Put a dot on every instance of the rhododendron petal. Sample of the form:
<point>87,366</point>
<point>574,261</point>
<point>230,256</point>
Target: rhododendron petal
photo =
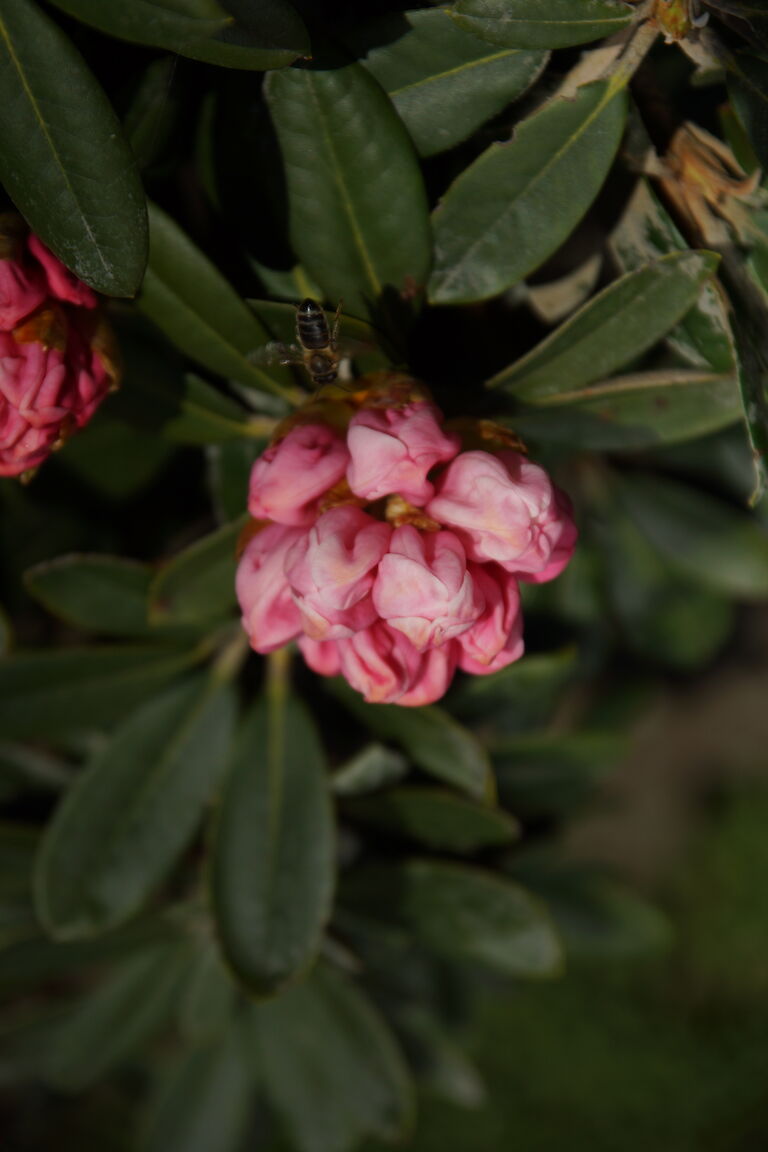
<point>322,657</point>
<point>503,508</point>
<point>501,617</point>
<point>380,663</point>
<point>270,616</point>
<point>331,571</point>
<point>423,587</point>
<point>393,449</point>
<point>287,481</point>
<point>62,283</point>
<point>22,289</point>
<point>434,678</point>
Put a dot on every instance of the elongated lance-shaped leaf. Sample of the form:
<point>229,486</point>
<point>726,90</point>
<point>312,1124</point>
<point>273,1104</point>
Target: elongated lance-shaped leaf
<point>200,312</point>
<point>99,593</point>
<point>357,205</point>
<point>254,34</point>
<point>272,867</point>
<point>330,1066</point>
<point>432,739</point>
<point>436,818</point>
<point>443,81</point>
<point>519,201</point>
<point>69,691</point>
<point>621,322</point>
<point>63,157</point>
<point>133,810</point>
<point>198,585</point>
<point>646,232</point>
<point>541,23</point>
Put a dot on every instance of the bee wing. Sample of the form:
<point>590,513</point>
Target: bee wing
<point>276,353</point>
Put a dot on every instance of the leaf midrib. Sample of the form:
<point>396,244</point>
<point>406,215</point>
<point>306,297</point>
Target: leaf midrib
<point>6,36</point>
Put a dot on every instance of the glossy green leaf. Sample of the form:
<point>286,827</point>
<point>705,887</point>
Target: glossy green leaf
<point>130,814</point>
<point>199,311</point>
<point>331,1068</point>
<point>198,585</point>
<point>520,696</point>
<point>436,818</point>
<point>614,328</point>
<point>253,34</point>
<point>519,201</point>
<point>638,410</point>
<point>646,232</point>
<point>272,865</point>
<point>718,545</point>
<point>63,157</point>
<point>357,206</point>
<point>204,1105</point>
<point>462,913</point>
<point>99,593</point>
<point>155,112</point>
<point>372,767</point>
<point>49,695</point>
<point>209,995</point>
<point>541,23</point>
<point>443,81</point>
<point>431,738</point>
<point>111,1022</point>
<point>748,89</point>
<point>598,918</point>
<point>544,774</point>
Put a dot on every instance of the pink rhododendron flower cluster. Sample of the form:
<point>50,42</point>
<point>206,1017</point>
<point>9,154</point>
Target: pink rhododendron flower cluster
<point>391,552</point>
<point>55,368</point>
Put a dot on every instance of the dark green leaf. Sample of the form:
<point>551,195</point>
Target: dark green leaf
<point>199,311</point>
<point>545,774</point>
<point>520,200</point>
<point>430,737</point>
<point>254,34</point>
<point>132,1004</point>
<point>614,328</point>
<point>198,585</point>
<point>436,818</point>
<point>463,913</point>
<point>597,917</point>
<point>372,767</point>
<point>155,113</point>
<point>49,695</point>
<point>272,866</point>
<point>228,472</point>
<point>99,593</point>
<point>646,232</point>
<point>541,23</point>
<point>209,996</point>
<point>748,89</point>
<point>639,410</point>
<point>205,1103</point>
<point>113,457</point>
<point>666,617</point>
<point>331,1068</point>
<point>24,769</point>
<point>443,81</point>
<point>520,696</point>
<point>130,814</point>
<point>714,543</point>
<point>357,205</point>
<point>63,157</point>
<point>207,416</point>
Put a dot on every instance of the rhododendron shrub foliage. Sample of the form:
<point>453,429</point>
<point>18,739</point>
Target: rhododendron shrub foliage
<point>388,550</point>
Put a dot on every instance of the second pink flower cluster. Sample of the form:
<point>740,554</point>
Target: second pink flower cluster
<point>392,555</point>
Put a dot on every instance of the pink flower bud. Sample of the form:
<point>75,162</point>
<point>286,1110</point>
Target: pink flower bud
<point>331,570</point>
<point>434,677</point>
<point>503,508</point>
<point>497,637</point>
<point>380,663</point>
<point>270,616</point>
<point>393,449</point>
<point>423,587</point>
<point>22,289</point>
<point>321,655</point>
<point>291,476</point>
<point>62,283</point>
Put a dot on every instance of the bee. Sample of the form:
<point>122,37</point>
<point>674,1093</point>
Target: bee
<point>317,347</point>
